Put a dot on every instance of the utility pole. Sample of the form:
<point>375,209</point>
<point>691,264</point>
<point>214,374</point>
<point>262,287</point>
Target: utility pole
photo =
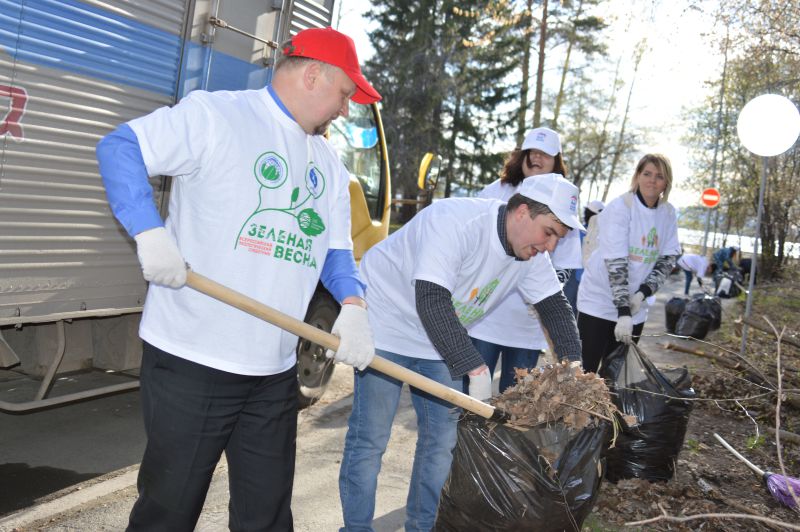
<point>716,142</point>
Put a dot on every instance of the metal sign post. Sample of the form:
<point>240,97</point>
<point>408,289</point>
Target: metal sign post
<point>753,265</point>
<point>768,125</point>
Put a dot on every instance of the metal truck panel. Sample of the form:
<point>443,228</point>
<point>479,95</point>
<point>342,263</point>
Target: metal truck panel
<point>71,72</point>
<point>221,59</point>
<point>308,14</point>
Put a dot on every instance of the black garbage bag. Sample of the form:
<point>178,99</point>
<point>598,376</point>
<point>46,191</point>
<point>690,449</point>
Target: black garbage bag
<point>679,378</point>
<point>673,309</point>
<point>713,308</point>
<point>694,325</point>
<point>648,450</point>
<point>746,269</point>
<point>501,480</point>
<point>702,314</point>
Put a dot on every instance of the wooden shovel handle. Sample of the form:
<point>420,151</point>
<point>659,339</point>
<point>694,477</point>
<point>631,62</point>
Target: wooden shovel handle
<point>318,336</point>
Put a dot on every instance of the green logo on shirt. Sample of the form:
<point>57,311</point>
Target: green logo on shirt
<point>471,310</point>
<point>652,238</point>
<point>258,233</point>
<point>649,251</point>
<point>271,170</point>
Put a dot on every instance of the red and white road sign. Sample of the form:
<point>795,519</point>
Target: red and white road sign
<point>710,197</point>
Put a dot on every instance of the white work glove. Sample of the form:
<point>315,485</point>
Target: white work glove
<point>160,258</point>
<point>356,347</point>
<point>480,384</point>
<point>636,302</point>
<point>624,329</point>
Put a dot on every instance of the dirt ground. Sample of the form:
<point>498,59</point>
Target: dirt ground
<point>734,401</point>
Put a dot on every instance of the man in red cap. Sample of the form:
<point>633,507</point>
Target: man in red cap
<point>259,202</point>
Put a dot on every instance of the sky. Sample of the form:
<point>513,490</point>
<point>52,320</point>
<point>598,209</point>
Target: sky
<point>671,77</point>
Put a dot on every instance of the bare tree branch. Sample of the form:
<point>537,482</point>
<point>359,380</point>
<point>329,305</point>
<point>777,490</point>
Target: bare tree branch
<point>686,519</point>
<point>778,412</point>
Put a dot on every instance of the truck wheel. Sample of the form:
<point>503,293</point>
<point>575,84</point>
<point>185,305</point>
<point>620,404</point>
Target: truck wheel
<point>314,370</point>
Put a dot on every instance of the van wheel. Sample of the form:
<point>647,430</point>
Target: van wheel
<point>314,370</point>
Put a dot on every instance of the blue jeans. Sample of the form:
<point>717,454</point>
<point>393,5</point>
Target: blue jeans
<point>571,291</point>
<point>375,400</point>
<point>513,357</point>
<point>689,274</point>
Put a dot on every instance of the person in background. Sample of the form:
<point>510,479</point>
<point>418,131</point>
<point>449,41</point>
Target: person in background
<point>636,250</point>
<point>746,267</point>
<point>592,209</point>
<point>511,329</point>
<point>213,378</point>
<point>445,269</point>
<point>693,266</point>
<point>726,258</point>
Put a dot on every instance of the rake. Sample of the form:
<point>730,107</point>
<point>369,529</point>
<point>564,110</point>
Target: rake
<point>785,490</point>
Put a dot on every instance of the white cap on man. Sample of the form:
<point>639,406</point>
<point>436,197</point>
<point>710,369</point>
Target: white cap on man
<point>596,206</point>
<point>543,139</point>
<point>560,196</point>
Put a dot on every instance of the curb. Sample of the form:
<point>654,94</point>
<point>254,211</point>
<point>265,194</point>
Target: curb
<point>78,495</point>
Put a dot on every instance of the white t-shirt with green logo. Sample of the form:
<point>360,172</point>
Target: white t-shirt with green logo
<point>255,205</point>
<point>650,234</point>
<point>452,243</point>
<point>510,323</point>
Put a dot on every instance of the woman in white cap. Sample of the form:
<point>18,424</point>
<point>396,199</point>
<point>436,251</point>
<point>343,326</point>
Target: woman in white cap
<point>636,249</point>
<point>512,329</point>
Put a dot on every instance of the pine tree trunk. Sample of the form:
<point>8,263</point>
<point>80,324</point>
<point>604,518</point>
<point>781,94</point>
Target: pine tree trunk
<point>523,91</point>
<point>537,105</point>
<point>565,69</point>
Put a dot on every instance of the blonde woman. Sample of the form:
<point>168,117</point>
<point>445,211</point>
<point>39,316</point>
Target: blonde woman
<point>637,248</point>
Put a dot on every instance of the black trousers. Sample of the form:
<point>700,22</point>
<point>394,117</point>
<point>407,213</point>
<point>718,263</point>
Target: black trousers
<point>597,339</point>
<point>192,413</point>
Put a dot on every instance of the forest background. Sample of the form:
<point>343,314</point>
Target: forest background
<point>617,79</point>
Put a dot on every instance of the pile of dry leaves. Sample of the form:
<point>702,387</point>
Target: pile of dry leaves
<point>558,392</point>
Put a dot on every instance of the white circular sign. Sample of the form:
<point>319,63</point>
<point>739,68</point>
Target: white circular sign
<point>768,125</point>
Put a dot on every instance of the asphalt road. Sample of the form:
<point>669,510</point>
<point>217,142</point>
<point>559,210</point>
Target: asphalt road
<point>44,452</point>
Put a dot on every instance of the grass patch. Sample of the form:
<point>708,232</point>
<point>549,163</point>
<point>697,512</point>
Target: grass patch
<point>692,444</point>
<point>593,524</point>
<point>786,301</point>
<point>754,442</point>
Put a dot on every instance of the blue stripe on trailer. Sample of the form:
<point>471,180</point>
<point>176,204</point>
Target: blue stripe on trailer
<point>208,69</point>
<point>75,37</point>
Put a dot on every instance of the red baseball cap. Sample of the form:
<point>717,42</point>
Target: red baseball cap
<point>337,49</point>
